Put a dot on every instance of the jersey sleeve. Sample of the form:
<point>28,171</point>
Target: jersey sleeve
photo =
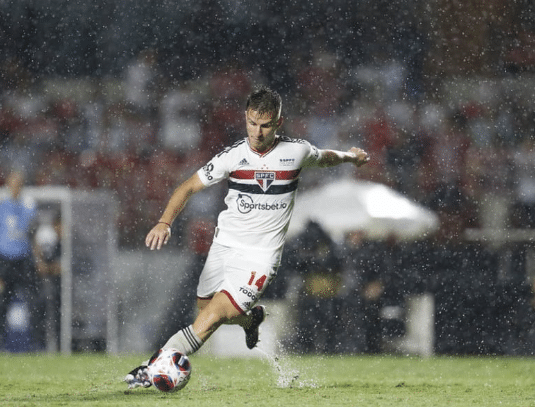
<point>311,155</point>
<point>214,171</point>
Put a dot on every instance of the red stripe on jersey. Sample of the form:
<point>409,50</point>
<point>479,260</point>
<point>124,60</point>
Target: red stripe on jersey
<point>279,175</point>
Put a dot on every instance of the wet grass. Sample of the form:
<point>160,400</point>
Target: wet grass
<point>95,380</point>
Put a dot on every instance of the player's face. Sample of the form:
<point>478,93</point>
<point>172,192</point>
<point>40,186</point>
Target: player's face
<point>261,129</point>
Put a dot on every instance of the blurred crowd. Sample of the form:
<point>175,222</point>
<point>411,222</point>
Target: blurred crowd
<point>134,97</point>
<point>141,134</point>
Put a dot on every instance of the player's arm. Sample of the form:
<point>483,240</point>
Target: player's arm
<point>331,158</point>
<point>160,233</point>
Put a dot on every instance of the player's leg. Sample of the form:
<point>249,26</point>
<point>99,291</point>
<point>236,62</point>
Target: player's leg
<point>217,311</point>
<point>250,322</point>
<point>185,340</point>
<point>241,319</point>
<point>212,314</point>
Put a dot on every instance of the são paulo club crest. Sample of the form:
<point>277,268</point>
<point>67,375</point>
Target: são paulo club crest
<point>264,179</point>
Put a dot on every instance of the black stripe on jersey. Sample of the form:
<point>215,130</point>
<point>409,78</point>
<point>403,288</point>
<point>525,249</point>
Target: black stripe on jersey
<point>256,189</point>
<point>227,149</point>
<point>287,139</point>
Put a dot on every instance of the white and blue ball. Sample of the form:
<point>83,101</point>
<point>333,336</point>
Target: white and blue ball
<point>170,370</point>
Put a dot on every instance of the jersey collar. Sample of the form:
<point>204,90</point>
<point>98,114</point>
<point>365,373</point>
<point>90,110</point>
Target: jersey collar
<point>277,139</point>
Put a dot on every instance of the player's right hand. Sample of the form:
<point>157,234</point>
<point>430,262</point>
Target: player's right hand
<point>158,236</point>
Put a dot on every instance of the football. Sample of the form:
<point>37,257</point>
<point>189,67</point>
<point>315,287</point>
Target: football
<point>169,371</point>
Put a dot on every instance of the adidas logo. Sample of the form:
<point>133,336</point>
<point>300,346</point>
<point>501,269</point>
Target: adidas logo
<point>244,162</point>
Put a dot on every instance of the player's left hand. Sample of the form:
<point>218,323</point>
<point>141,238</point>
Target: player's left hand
<point>361,156</point>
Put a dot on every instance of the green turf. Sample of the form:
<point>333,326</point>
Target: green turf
<point>95,380</point>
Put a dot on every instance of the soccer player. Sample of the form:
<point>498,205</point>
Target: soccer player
<point>262,171</point>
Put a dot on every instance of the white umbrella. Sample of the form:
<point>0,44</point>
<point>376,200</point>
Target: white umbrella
<point>349,205</point>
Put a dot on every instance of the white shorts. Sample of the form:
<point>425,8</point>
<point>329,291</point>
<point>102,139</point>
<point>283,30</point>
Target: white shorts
<point>241,276</point>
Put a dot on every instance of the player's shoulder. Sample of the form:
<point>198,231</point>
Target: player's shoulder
<point>295,144</point>
<point>231,148</point>
<point>292,140</point>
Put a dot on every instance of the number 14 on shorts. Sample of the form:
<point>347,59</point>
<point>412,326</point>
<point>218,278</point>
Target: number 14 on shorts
<point>259,283</point>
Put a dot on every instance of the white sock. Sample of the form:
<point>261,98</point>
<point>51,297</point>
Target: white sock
<point>185,341</point>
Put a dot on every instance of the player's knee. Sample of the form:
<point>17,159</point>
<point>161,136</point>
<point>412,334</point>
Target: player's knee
<point>225,313</point>
<point>213,315</point>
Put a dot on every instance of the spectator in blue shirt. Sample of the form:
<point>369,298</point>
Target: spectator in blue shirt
<point>17,271</point>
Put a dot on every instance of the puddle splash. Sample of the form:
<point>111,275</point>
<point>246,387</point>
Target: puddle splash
<point>288,376</point>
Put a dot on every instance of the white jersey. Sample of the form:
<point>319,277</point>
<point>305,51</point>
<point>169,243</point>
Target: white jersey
<point>262,190</point>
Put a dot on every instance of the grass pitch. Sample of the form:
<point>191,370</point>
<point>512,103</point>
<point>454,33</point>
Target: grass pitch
<point>95,380</point>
